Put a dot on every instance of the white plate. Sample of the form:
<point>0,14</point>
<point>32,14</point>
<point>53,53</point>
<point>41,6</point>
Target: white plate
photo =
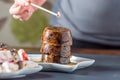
<point>76,63</point>
<point>20,73</point>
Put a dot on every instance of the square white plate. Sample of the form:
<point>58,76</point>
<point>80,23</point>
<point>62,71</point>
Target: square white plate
<point>76,63</point>
<point>20,73</point>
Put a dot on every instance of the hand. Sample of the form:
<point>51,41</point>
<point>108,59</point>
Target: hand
<point>23,10</point>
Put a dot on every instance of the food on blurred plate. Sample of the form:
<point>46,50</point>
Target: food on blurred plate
<point>12,60</point>
<point>27,64</point>
<point>9,66</point>
<point>56,45</point>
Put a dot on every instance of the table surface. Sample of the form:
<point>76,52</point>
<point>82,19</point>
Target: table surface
<point>106,67</point>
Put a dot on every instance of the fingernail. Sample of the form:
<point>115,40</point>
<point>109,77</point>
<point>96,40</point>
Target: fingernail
<point>16,16</point>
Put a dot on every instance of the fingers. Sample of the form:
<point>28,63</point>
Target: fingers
<point>23,10</point>
<point>38,2</point>
<point>25,15</point>
<point>15,8</point>
<point>23,2</point>
<point>20,12</point>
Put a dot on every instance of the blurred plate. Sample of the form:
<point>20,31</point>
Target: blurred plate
<point>20,73</point>
<point>76,63</point>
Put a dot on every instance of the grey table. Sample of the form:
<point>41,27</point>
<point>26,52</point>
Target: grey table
<point>106,67</point>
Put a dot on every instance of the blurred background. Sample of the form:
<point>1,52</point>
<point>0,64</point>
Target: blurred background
<point>22,34</point>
